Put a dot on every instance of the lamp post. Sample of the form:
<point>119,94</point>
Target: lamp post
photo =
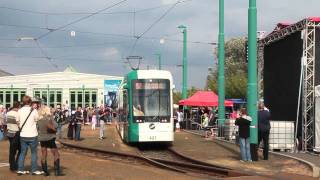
<point>221,86</point>
<point>159,60</point>
<point>184,62</point>
<point>252,73</point>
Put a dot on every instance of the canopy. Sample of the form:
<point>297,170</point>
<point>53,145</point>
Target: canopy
<point>203,98</point>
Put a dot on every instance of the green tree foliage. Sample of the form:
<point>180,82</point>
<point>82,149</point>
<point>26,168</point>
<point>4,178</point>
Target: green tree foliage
<point>192,91</point>
<point>177,96</point>
<point>235,70</point>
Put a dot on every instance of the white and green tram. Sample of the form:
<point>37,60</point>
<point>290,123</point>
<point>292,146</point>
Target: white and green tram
<point>145,107</point>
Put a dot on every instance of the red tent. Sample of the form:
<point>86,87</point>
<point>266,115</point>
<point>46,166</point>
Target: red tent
<point>203,98</point>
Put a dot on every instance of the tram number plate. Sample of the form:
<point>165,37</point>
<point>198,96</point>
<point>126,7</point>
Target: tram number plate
<point>152,138</point>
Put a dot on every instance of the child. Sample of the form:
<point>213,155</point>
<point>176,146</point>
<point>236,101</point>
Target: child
<point>94,121</point>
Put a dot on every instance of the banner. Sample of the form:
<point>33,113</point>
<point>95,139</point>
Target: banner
<point>110,92</point>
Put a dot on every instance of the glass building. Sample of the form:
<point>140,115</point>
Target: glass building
<point>68,88</point>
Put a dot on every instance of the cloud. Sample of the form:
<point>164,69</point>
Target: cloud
<point>165,2</point>
<point>111,52</point>
<point>200,16</point>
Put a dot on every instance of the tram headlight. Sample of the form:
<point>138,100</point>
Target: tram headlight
<point>164,120</point>
<point>138,121</point>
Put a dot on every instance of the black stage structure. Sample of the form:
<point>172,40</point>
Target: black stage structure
<point>282,56</point>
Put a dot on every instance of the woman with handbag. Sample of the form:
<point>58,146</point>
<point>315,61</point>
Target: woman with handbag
<point>13,136</point>
<point>47,136</point>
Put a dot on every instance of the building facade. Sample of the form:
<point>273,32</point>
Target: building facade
<point>68,88</point>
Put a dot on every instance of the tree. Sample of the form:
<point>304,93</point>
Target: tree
<point>177,96</point>
<point>235,70</point>
<point>192,91</point>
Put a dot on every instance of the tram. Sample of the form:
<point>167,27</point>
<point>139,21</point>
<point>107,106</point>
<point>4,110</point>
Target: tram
<point>145,107</point>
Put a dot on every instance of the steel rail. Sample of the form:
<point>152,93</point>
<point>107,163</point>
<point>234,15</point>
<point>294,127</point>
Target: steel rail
<point>192,168</point>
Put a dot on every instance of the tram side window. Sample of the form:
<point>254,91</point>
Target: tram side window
<point>125,106</point>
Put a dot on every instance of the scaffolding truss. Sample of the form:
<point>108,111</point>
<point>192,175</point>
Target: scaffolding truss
<point>308,28</point>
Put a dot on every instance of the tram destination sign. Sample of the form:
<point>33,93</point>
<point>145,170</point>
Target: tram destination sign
<point>150,85</point>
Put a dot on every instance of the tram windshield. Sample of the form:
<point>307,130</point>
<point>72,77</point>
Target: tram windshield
<point>151,98</point>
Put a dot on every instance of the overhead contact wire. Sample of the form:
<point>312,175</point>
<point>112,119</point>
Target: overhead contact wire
<point>80,19</point>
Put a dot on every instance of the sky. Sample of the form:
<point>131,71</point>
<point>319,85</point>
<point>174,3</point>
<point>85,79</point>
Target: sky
<point>106,31</point>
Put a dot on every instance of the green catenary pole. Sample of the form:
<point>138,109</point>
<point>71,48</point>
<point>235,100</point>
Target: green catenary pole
<point>252,70</point>
<point>221,88</point>
<point>184,62</point>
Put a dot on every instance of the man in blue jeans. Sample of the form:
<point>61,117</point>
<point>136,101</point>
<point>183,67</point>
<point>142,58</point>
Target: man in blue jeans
<point>25,143</point>
<point>28,118</point>
<point>244,122</point>
<point>79,120</point>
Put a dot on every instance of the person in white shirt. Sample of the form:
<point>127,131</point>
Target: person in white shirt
<point>13,136</point>
<point>28,118</point>
<point>180,119</point>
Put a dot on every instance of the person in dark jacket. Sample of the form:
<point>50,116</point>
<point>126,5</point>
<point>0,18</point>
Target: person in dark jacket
<point>79,120</point>
<point>264,129</point>
<point>244,122</point>
<point>71,126</point>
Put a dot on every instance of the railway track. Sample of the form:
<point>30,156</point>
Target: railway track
<point>165,158</point>
<point>168,158</point>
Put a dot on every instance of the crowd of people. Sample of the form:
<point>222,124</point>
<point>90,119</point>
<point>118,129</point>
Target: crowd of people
<point>86,116</point>
<point>26,124</point>
<point>207,119</point>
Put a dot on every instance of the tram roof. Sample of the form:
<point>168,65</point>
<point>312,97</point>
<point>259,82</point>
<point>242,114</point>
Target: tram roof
<point>154,74</point>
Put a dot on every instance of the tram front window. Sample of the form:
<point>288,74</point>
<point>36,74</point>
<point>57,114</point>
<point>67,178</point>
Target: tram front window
<point>151,100</point>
